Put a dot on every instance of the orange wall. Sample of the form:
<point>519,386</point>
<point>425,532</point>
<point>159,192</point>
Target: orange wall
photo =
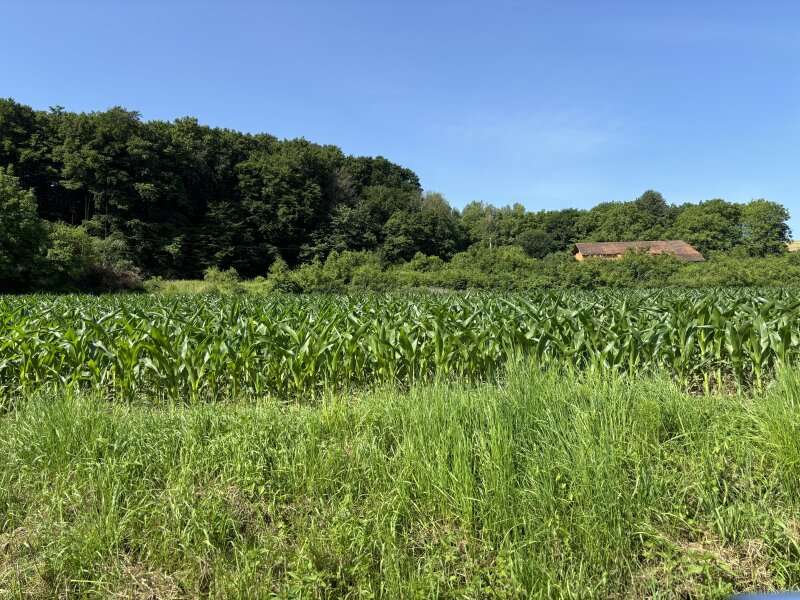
<point>579,256</point>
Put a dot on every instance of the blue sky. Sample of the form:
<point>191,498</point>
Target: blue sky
<point>550,104</point>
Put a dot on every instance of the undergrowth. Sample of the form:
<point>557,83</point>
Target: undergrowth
<point>540,487</point>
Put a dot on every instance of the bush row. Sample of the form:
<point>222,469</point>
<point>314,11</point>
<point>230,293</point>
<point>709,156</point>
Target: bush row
<point>503,268</point>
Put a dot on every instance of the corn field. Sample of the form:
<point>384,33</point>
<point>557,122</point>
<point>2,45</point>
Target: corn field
<point>215,347</point>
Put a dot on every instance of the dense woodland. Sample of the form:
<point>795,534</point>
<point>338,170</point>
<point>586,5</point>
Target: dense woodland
<point>106,200</point>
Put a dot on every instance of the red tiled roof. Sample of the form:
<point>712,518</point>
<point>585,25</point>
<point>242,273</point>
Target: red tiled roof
<point>678,248</point>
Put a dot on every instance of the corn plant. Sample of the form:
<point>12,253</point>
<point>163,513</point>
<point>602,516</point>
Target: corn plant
<point>211,347</point>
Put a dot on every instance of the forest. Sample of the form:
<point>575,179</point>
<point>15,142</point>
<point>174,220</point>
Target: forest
<point>106,200</point>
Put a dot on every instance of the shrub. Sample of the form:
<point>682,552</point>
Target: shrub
<point>77,260</point>
<point>70,257</point>
<point>219,277</point>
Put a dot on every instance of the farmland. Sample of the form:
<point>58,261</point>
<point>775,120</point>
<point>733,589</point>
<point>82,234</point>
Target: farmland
<point>213,347</point>
<point>616,444</point>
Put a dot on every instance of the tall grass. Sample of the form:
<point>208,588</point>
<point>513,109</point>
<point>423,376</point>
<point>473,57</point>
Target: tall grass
<point>596,487</point>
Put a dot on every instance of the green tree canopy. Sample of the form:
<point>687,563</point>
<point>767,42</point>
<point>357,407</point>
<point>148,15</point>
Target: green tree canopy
<point>764,228</point>
<point>536,243</point>
<point>432,228</point>
<point>646,218</point>
<point>23,238</point>
<point>709,226</point>
<point>174,198</point>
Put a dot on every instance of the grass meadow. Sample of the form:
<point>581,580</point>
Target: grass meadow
<point>539,485</point>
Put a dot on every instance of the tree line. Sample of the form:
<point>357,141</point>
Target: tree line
<point>103,199</point>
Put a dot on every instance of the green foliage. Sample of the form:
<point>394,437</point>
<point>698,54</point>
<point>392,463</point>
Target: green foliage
<point>219,281</point>
<point>216,276</point>
<point>510,268</point>
<point>776,271</point>
<point>22,233</point>
<point>77,260</point>
<point>182,287</point>
<point>548,486</point>
<point>425,264</point>
<point>758,228</point>
<point>635,269</point>
<point>205,347</point>
<point>287,192</point>
<point>339,271</point>
<point>764,228</point>
<point>711,226</point>
<point>536,243</point>
<point>171,199</point>
<point>359,223</point>
<point>432,228</point>
<point>646,218</point>
<point>71,255</point>
<point>115,269</point>
<point>184,197</point>
<point>278,268</point>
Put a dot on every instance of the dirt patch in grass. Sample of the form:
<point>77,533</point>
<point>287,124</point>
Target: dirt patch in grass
<point>20,573</point>
<point>701,568</point>
<point>139,582</point>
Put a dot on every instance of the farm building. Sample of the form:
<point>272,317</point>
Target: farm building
<point>614,250</point>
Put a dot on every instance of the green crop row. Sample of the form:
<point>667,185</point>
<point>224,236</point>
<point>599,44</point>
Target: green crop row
<point>210,347</point>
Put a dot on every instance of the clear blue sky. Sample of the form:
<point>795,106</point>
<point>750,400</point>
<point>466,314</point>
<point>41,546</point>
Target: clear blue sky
<point>551,104</point>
